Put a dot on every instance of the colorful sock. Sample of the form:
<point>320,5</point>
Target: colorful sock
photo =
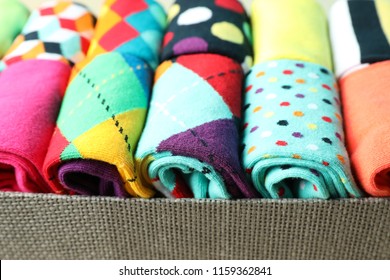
<point>134,27</point>
<point>110,94</point>
<point>285,29</point>
<point>190,137</point>
<point>360,32</point>
<point>203,26</point>
<point>13,16</point>
<point>30,95</point>
<point>293,132</point>
<point>365,95</point>
<point>58,30</point>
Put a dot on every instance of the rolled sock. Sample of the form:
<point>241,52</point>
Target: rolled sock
<point>31,90</point>
<point>90,178</point>
<point>30,96</point>
<point>58,30</point>
<point>13,16</point>
<point>293,140</point>
<point>296,30</point>
<point>360,33</point>
<point>189,147</point>
<point>203,26</point>
<point>366,101</point>
<point>105,105</point>
<point>293,132</point>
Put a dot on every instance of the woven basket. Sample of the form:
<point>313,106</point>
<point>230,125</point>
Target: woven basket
<point>61,227</point>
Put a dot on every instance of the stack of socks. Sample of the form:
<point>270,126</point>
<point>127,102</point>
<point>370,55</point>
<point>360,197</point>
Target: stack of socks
<point>190,145</point>
<point>360,33</point>
<point>32,87</point>
<point>105,106</point>
<point>293,140</point>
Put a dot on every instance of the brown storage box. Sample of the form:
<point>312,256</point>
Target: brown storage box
<point>61,227</point>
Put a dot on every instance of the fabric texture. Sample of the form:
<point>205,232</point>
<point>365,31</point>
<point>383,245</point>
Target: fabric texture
<point>30,96</point>
<point>365,95</point>
<point>203,26</point>
<point>360,32</point>
<point>31,92</point>
<point>191,138</point>
<point>110,94</point>
<point>293,140</point>
<point>13,16</point>
<point>58,30</point>
<point>296,30</point>
<point>111,228</point>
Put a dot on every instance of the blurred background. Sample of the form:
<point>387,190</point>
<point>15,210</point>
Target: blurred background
<point>94,5</point>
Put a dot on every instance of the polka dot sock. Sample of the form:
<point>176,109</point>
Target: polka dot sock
<point>204,26</point>
<point>293,141</point>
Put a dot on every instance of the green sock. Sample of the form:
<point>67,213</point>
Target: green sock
<point>13,16</point>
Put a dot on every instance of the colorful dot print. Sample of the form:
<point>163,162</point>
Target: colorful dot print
<point>204,26</point>
<point>295,147</point>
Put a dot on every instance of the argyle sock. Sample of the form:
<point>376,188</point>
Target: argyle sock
<point>360,32</point>
<point>105,105</point>
<point>293,140</point>
<point>285,29</point>
<point>189,147</point>
<point>13,16</point>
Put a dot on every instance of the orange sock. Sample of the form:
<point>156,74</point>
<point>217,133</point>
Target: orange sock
<point>366,102</point>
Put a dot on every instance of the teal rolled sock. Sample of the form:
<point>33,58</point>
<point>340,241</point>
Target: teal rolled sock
<point>293,140</point>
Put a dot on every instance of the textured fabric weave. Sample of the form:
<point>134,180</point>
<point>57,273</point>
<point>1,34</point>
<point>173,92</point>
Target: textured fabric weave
<point>13,16</point>
<point>105,106</point>
<point>293,140</point>
<point>203,26</point>
<point>63,227</point>
<point>58,30</point>
<point>191,137</point>
<point>285,29</point>
<point>365,95</point>
<point>360,32</point>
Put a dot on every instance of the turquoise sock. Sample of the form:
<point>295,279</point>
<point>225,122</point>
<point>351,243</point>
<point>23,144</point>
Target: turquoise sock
<point>293,135</point>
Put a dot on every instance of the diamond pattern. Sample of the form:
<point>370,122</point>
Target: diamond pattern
<point>59,30</point>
